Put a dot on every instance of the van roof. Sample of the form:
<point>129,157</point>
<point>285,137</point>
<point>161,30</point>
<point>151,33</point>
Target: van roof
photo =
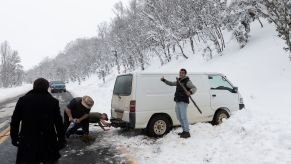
<point>173,73</point>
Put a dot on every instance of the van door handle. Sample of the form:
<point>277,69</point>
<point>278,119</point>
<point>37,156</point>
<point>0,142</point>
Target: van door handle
<point>213,95</point>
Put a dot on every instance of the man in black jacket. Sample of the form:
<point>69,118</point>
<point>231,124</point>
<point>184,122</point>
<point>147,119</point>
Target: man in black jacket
<point>182,99</point>
<point>41,134</point>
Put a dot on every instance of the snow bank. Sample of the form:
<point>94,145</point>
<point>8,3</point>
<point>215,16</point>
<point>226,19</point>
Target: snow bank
<point>258,134</point>
<point>7,93</point>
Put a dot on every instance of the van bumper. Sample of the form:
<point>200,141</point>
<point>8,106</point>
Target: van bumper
<point>116,122</point>
<point>241,106</point>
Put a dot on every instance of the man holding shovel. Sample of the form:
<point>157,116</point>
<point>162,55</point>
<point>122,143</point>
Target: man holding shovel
<point>184,88</point>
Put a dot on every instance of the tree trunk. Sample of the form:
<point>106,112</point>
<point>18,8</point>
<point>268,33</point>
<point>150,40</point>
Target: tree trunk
<point>116,60</point>
<point>221,38</point>
<point>165,53</point>
<point>215,41</point>
<point>157,53</point>
<point>169,54</point>
<point>260,22</point>
<point>141,59</point>
<point>288,43</point>
<point>142,63</point>
<point>181,48</point>
<point>192,45</point>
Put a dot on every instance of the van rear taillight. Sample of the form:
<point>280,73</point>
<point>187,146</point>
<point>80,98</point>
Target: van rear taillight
<point>132,106</point>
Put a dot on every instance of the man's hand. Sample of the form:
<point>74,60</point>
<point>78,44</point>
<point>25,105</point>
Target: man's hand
<point>77,121</point>
<point>15,143</point>
<point>71,119</point>
<point>188,93</point>
<point>162,78</point>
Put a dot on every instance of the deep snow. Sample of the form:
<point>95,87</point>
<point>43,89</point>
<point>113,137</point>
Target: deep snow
<point>259,134</point>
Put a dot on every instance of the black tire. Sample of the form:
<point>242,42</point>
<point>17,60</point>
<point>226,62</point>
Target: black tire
<point>219,116</point>
<point>158,126</point>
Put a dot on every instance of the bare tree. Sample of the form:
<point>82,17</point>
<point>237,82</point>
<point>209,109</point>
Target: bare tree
<point>11,70</point>
<point>279,13</point>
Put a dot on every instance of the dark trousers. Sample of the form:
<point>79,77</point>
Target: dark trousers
<point>83,124</point>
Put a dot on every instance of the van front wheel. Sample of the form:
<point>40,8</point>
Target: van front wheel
<point>219,116</point>
<point>158,126</point>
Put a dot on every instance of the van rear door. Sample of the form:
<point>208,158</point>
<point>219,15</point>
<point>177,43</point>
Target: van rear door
<point>121,97</point>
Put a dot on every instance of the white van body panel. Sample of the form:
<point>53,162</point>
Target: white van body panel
<point>224,98</point>
<point>153,96</point>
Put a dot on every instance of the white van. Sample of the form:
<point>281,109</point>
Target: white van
<point>143,101</point>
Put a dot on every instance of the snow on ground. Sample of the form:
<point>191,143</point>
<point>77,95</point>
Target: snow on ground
<point>258,134</point>
<point>6,93</point>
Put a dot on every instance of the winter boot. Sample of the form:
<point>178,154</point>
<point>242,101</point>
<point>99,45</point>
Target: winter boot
<point>185,135</point>
<point>67,134</point>
<point>181,133</point>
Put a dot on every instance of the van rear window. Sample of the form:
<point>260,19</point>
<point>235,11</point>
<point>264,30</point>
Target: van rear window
<point>122,85</point>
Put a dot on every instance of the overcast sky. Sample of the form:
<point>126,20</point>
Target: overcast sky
<point>40,28</point>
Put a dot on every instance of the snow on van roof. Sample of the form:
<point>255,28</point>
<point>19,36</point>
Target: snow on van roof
<point>172,73</point>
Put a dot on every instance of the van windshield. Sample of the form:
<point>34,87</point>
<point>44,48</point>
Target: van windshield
<point>218,82</point>
<point>122,85</point>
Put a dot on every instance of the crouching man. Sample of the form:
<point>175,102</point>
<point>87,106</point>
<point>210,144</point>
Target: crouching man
<point>77,111</point>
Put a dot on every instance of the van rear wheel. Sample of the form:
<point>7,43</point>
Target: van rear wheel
<point>219,116</point>
<point>158,126</point>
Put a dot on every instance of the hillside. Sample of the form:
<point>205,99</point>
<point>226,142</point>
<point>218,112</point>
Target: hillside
<point>258,134</point>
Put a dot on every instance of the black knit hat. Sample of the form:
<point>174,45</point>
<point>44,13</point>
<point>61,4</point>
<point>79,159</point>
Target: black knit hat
<point>183,69</point>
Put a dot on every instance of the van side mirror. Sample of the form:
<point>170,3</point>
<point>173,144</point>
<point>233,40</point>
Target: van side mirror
<point>235,89</point>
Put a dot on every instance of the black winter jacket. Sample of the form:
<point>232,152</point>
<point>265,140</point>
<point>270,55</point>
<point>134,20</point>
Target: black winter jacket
<point>41,134</point>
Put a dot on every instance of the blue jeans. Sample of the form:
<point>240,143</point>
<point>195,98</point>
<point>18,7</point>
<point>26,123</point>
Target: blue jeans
<point>74,129</point>
<point>83,124</point>
<point>181,112</point>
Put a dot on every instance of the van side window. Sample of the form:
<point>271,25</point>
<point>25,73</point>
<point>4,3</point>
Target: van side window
<point>122,85</point>
<point>218,82</point>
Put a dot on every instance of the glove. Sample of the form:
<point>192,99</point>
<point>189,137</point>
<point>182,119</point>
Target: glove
<point>15,143</point>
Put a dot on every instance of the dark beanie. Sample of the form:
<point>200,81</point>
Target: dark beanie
<point>41,84</point>
<point>183,69</point>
